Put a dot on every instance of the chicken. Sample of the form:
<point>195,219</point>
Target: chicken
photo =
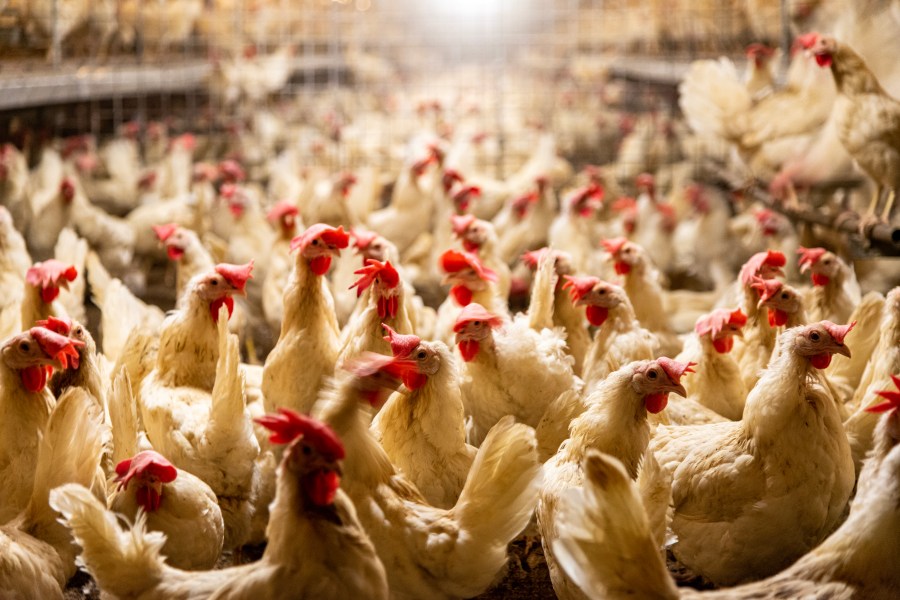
<point>409,212</point>
<point>480,237</point>
<point>423,430</point>
<point>316,549</point>
<point>846,374</point>
<point>717,384</point>
<point>620,338</point>
<point>655,223</point>
<point>14,185</point>
<point>563,312</point>
<point>829,298</point>
<point>701,242</point>
<point>883,361</point>
<point>169,24</point>
<point>308,346</point>
<point>641,283</point>
<point>175,503</point>
<point>429,552</point>
<point>384,305</point>
<point>523,222</point>
<point>867,118</point>
<point>470,282</point>
<point>192,404</point>
<point>510,369</point>
<point>615,421</point>
<point>285,217</point>
<point>38,555</point>
<point>26,361</point>
<point>573,231</point>
<point>760,81</point>
<point>14,263</point>
<point>184,248</point>
<point>767,488</point>
<point>606,547</point>
<point>329,203</point>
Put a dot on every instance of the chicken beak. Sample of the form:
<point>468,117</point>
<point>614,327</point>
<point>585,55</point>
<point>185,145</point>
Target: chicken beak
<point>334,251</point>
<point>677,388</point>
<point>805,267</point>
<point>842,350</point>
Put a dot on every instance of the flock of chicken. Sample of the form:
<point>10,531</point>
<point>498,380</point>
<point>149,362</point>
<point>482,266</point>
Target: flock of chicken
<point>388,448</point>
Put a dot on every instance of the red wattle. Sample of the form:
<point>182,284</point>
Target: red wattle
<point>820,279</point>
<point>622,268</point>
<point>585,211</point>
<point>414,381</point>
<point>49,294</point>
<point>174,252</point>
<point>656,402</point>
<point>821,361</point>
<point>387,307</point>
<point>469,349</point>
<point>461,294</point>
<point>596,315</point>
<point>824,60</point>
<point>777,318</point>
<point>216,304</point>
<point>724,345</point>
<point>147,498</point>
<point>471,246</point>
<point>322,486</point>
<point>320,264</point>
<point>34,378</point>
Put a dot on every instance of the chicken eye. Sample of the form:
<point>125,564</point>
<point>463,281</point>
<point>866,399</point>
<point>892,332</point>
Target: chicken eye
<point>307,450</point>
<point>814,336</point>
<point>784,295</point>
<point>476,323</point>
<point>652,375</point>
<point>421,355</point>
<point>315,242</point>
<point>214,282</point>
<point>79,331</point>
<point>601,291</point>
<point>24,346</point>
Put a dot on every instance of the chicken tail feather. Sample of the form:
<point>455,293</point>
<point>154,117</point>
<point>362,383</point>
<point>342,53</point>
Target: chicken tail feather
<point>605,544</point>
<point>123,562</point>
<point>540,308</point>
<point>500,494</point>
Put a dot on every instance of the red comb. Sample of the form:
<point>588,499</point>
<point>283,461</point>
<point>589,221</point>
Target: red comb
<point>892,397</point>
<point>149,462</point>
<point>614,246</point>
<point>236,275</point>
<point>232,171</point>
<point>534,257</point>
<point>363,238</point>
<point>461,223</point>
<point>838,332</point>
<point>373,269</point>
<point>164,232</point>
<point>476,312</point>
<point>675,369</point>
<point>465,191</point>
<point>765,288</point>
<point>450,177</point>
<point>287,426</point>
<point>808,40</point>
<point>401,345</point>
<point>56,346</point>
<point>47,275</point>
<point>752,267</point>
<point>810,256</point>
<point>60,325</point>
<point>280,210</point>
<point>579,286</point>
<point>328,234</point>
<point>453,261</point>
<point>713,323</point>
<point>522,204</point>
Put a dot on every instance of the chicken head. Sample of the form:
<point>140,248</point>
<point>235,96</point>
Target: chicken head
<point>33,354</point>
<point>370,245</point>
<point>319,244</point>
<point>384,280</point>
<point>217,286</point>
<point>597,296</point>
<point>819,341</point>
<point>626,255</point>
<point>283,215</point>
<point>463,197</point>
<point>425,358</point>
<point>766,265</point>
<point>176,239</point>
<point>473,327</point>
<point>149,470</point>
<point>821,264</point>
<point>820,46</point>
<point>721,325</point>
<point>473,232</point>
<point>653,380</point>
<point>50,276</point>
<point>313,455</point>
<point>466,274</point>
<point>781,299</point>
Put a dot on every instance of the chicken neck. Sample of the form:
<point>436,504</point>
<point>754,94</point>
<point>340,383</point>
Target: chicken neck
<point>306,301</point>
<point>188,347</point>
<point>34,308</point>
<point>615,422</point>
<point>851,74</point>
